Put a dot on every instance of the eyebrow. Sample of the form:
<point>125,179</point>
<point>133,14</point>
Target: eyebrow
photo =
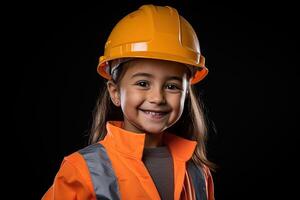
<point>151,76</point>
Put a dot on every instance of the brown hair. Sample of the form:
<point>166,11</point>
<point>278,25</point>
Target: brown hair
<point>191,125</point>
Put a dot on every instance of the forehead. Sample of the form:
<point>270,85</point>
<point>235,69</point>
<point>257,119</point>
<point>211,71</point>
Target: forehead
<point>157,68</point>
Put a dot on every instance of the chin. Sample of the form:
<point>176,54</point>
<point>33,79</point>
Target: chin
<point>154,130</point>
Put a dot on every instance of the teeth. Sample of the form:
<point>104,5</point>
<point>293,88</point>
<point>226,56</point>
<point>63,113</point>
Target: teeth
<point>154,113</point>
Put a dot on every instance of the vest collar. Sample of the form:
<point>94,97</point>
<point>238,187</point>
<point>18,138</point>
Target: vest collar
<point>131,144</point>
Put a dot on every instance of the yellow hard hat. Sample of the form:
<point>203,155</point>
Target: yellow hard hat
<point>156,32</point>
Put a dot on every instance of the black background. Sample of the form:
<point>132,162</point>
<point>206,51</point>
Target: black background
<point>251,53</point>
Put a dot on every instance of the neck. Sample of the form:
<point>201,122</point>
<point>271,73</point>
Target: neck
<point>153,140</point>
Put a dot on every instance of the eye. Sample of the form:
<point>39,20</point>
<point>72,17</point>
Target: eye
<point>142,83</point>
<point>172,87</point>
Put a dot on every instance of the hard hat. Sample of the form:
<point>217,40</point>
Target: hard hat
<point>155,32</point>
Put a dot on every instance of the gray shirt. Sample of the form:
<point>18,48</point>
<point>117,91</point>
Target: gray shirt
<point>159,163</point>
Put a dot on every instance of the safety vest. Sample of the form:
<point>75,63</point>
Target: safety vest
<point>105,181</point>
<point>113,169</point>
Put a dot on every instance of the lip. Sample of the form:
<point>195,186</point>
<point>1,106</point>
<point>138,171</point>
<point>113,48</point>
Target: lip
<point>150,110</point>
<point>158,111</point>
<point>159,114</point>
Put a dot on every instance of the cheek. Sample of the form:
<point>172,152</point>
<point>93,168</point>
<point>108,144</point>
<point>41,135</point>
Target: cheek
<point>130,98</point>
<point>177,102</point>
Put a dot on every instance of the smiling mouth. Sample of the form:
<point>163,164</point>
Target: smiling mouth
<point>155,114</point>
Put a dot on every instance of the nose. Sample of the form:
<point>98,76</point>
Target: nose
<point>156,96</point>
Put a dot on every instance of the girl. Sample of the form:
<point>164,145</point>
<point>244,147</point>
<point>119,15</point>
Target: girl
<point>147,139</point>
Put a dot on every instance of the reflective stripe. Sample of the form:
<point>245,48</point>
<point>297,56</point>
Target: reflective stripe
<point>198,179</point>
<point>100,168</point>
<point>105,181</point>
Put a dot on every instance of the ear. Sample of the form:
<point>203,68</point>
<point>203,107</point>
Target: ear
<point>114,94</point>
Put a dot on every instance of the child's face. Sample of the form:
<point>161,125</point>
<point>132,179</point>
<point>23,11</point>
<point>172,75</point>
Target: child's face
<point>152,95</point>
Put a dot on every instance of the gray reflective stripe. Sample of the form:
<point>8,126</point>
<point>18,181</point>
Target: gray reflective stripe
<point>105,181</point>
<point>100,168</point>
<point>198,180</point>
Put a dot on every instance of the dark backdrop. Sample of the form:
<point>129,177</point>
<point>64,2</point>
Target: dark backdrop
<point>250,51</point>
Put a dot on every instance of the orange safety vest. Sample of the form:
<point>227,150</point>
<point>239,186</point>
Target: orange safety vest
<point>113,169</point>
